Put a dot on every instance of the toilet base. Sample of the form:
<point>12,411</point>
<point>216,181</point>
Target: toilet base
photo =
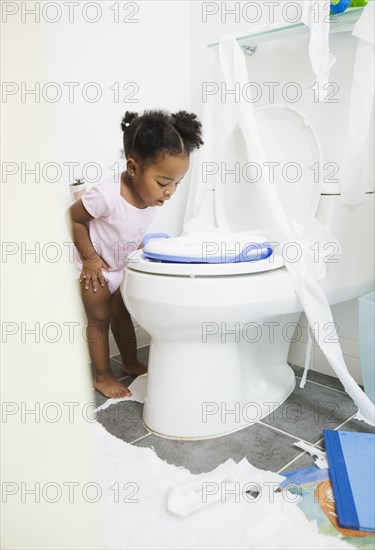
<point>218,387</point>
<point>267,409</point>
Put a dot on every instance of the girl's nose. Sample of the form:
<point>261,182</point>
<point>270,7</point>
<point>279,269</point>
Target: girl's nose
<point>168,193</point>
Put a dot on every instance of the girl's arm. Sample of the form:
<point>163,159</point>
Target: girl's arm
<point>77,217</point>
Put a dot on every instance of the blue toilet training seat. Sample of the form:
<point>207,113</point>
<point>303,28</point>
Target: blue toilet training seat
<point>203,248</point>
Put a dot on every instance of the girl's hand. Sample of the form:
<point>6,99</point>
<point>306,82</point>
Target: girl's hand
<point>92,273</point>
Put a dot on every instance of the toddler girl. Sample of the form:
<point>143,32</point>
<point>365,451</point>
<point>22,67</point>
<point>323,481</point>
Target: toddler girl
<point>109,222</point>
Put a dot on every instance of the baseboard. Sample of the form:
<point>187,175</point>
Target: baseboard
<point>319,363</point>
<point>143,338</point>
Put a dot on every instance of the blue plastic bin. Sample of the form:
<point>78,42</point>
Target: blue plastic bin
<point>366,342</point>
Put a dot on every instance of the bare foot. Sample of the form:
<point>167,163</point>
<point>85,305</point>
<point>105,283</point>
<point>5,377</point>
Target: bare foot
<point>135,369</point>
<point>107,385</point>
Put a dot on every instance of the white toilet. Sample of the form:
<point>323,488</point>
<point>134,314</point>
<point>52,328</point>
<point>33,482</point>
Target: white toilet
<point>220,332</point>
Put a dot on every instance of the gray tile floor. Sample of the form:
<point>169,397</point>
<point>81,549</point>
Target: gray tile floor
<point>268,444</point>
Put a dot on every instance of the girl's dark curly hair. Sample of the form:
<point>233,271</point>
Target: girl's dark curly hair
<point>157,132</point>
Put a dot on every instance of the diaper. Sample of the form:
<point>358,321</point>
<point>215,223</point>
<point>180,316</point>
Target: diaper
<point>112,278</point>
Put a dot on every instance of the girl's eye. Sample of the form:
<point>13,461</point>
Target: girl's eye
<point>165,184</point>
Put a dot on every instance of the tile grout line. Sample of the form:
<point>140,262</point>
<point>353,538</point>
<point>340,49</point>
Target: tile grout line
<point>321,439</point>
<point>139,438</point>
<point>285,433</point>
<point>314,444</point>
<point>322,385</point>
<point>302,453</point>
<point>120,363</point>
<point>279,430</point>
<point>345,421</point>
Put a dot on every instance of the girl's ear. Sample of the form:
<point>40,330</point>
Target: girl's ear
<point>132,166</point>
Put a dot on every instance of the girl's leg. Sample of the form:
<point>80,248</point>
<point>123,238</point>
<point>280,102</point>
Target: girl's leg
<point>98,311</point>
<point>124,334</point>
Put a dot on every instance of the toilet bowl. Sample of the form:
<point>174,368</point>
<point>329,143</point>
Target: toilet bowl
<point>221,332</point>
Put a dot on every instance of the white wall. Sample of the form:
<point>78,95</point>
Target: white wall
<point>42,371</point>
<point>140,63</point>
<point>346,317</point>
<point>211,20</point>
<point>37,290</point>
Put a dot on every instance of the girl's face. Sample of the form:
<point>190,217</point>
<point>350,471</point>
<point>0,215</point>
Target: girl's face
<point>158,182</point>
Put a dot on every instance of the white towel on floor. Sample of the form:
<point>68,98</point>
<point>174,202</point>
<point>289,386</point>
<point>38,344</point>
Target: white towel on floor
<point>229,480</point>
<point>135,484</point>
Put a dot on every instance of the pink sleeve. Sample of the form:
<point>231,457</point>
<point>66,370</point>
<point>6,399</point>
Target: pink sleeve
<point>101,199</point>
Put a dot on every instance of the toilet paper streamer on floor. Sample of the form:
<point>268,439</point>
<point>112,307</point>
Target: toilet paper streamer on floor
<point>308,290</point>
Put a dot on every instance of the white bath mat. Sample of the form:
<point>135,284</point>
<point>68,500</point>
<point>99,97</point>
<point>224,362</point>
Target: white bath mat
<point>136,484</point>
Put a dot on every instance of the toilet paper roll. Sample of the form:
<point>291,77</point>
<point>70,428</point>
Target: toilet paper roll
<point>77,189</point>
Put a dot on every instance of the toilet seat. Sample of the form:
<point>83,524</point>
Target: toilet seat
<point>206,247</point>
<point>300,204</point>
<point>138,262</point>
<point>294,163</point>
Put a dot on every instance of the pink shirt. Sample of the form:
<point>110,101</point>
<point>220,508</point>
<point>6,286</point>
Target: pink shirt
<point>118,227</point>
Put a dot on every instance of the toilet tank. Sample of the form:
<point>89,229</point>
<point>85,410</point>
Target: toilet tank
<point>284,59</point>
<point>351,273</point>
